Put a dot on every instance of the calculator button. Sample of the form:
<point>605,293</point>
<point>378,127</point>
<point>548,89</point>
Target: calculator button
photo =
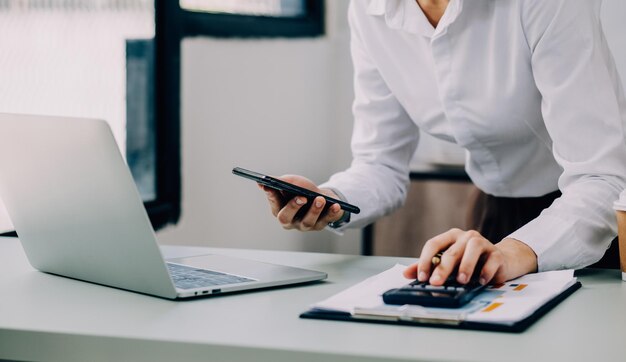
<point>436,287</point>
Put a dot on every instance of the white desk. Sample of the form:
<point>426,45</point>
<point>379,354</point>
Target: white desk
<point>45,317</point>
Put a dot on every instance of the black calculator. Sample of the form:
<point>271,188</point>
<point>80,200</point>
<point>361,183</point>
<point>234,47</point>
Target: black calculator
<point>451,294</point>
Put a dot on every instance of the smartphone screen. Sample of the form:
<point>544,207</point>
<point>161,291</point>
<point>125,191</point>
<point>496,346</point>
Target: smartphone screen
<point>292,190</point>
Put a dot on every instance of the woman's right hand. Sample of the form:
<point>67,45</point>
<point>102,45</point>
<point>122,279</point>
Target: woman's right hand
<point>286,209</point>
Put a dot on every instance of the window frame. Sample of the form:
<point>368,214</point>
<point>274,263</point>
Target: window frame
<point>166,207</point>
<point>172,25</point>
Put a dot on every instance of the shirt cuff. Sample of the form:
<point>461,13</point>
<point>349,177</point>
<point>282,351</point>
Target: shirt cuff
<point>545,235</point>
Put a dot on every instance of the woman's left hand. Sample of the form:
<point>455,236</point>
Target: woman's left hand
<point>464,251</point>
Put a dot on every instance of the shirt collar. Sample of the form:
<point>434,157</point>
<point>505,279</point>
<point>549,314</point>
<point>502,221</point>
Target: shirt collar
<point>406,15</point>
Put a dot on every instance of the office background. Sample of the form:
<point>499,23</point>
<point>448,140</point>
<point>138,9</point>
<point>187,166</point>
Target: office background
<point>279,106</point>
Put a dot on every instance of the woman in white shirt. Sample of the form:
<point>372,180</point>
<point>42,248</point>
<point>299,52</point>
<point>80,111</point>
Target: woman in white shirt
<point>529,89</point>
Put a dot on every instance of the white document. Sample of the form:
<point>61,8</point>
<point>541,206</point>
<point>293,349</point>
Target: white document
<point>503,304</point>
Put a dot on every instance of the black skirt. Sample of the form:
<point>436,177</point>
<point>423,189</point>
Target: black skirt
<point>497,217</point>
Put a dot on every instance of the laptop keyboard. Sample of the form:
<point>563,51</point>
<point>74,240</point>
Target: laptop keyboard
<point>185,277</point>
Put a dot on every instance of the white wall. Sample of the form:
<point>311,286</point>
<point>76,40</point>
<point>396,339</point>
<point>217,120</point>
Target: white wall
<point>276,106</point>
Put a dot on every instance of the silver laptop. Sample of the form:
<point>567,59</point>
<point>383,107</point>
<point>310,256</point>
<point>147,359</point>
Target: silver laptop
<point>78,214</point>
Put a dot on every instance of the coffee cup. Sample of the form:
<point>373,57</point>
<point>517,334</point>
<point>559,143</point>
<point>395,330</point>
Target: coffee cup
<point>620,212</point>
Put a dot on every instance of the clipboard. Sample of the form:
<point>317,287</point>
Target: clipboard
<point>511,306</point>
<point>516,327</point>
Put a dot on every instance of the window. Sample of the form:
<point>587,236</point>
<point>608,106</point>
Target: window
<point>96,59</point>
<point>250,18</point>
<point>277,8</point>
<point>175,20</point>
<point>119,60</point>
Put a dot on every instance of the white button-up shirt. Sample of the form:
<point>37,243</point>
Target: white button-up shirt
<point>528,88</point>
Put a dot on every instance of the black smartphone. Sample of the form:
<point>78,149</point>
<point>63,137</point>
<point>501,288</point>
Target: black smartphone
<point>290,190</point>
<point>449,295</point>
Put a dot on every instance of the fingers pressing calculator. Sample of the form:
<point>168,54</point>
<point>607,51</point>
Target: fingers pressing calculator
<point>451,294</point>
